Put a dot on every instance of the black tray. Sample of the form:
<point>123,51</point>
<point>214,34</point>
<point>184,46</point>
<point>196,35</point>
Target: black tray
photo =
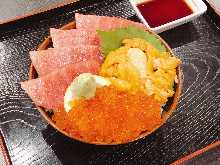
<point>194,125</point>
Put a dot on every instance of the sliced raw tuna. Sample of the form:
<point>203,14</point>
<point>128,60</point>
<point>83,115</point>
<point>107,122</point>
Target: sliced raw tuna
<point>48,91</point>
<point>94,22</point>
<point>69,38</point>
<point>46,61</point>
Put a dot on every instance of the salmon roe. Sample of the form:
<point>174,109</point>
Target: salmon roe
<point>110,116</point>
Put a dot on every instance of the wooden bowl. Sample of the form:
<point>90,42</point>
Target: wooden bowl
<point>167,113</point>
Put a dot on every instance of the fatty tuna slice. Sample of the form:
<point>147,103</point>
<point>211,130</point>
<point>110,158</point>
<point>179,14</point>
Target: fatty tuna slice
<point>69,38</point>
<point>48,91</point>
<point>94,22</point>
<point>46,61</point>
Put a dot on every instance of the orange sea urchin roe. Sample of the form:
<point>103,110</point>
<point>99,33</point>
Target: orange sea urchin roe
<point>110,116</point>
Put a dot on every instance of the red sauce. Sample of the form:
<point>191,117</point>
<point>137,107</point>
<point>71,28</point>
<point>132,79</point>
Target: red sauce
<point>159,12</point>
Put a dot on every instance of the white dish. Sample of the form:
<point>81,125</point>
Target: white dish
<point>198,7</point>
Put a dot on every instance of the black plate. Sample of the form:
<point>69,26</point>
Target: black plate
<point>195,124</point>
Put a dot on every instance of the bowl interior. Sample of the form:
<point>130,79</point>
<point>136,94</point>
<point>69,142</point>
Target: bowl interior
<point>169,108</point>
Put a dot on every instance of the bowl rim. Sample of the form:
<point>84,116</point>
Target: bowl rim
<point>176,97</point>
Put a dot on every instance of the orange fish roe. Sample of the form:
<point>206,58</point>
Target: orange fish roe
<point>110,116</point>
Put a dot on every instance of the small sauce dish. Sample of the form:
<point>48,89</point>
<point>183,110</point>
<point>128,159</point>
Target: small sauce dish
<point>162,15</point>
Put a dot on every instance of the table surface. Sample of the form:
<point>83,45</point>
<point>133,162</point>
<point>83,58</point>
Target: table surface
<point>194,125</point>
<point>15,9</point>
